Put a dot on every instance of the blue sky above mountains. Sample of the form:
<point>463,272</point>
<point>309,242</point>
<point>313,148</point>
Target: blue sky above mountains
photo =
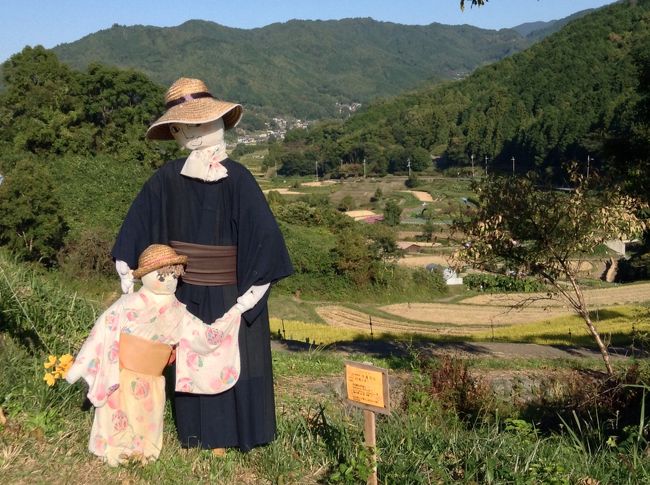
<point>49,23</point>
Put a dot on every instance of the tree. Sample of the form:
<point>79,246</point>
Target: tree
<point>353,258</point>
<point>472,3</point>
<point>546,233</point>
<point>392,213</point>
<point>41,102</point>
<point>30,221</point>
<point>347,203</point>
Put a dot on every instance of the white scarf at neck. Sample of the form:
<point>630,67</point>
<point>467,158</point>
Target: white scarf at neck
<point>206,164</point>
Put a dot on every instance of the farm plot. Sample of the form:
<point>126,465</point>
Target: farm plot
<point>617,295</point>
<point>470,318</point>
<point>338,316</point>
<point>423,261</point>
<point>434,319</point>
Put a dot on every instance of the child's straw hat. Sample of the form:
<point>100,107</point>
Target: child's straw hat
<point>155,257</point>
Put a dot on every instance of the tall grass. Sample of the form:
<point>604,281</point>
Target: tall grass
<point>40,315</point>
<point>320,437</point>
<point>622,325</point>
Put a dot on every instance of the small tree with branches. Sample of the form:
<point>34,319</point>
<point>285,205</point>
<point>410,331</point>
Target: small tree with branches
<point>536,230</point>
<point>472,3</point>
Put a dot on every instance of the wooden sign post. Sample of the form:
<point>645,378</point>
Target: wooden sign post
<point>367,388</point>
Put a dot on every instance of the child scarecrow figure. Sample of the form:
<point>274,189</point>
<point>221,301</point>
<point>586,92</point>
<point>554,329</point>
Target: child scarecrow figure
<point>130,344</point>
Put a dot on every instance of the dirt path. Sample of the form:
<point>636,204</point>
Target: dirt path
<point>420,195</point>
<point>384,348</point>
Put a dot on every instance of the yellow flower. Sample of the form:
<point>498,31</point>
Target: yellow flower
<point>49,378</point>
<point>65,360</point>
<point>51,360</point>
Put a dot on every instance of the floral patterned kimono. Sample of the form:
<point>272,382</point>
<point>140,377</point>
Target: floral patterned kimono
<point>130,403</point>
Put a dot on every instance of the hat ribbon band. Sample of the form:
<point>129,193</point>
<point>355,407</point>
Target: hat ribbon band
<point>161,259</point>
<point>187,97</point>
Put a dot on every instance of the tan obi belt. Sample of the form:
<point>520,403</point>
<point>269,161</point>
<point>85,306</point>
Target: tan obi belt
<point>208,265</point>
<point>144,356</point>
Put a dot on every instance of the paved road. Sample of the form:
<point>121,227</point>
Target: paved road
<point>462,349</point>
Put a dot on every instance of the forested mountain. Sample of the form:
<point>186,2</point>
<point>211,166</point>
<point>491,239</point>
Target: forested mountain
<point>302,68</point>
<point>538,30</point>
<point>567,97</point>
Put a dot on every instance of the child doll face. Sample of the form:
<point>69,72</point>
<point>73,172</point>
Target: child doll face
<point>160,284</point>
<point>198,136</point>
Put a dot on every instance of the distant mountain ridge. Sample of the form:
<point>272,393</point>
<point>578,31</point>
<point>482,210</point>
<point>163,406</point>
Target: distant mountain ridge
<point>536,31</point>
<point>302,68</point>
<point>565,98</point>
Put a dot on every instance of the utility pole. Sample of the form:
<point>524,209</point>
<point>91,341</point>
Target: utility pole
<point>364,168</point>
<point>472,157</point>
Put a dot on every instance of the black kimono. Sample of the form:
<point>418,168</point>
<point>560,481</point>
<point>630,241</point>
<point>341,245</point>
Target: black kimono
<point>229,212</point>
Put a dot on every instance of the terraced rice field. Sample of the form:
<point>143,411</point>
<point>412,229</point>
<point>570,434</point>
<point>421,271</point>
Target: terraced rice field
<point>475,314</point>
<point>618,295</point>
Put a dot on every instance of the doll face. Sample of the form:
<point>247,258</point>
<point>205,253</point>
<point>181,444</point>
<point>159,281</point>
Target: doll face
<point>198,136</point>
<point>160,284</point>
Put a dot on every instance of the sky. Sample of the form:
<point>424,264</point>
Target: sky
<point>52,22</point>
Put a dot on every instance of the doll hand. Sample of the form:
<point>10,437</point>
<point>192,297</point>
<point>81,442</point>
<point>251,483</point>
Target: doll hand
<point>126,276</point>
<point>250,298</point>
<point>235,310</point>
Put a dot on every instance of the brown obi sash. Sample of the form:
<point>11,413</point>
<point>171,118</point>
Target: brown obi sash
<point>144,356</point>
<point>208,265</point>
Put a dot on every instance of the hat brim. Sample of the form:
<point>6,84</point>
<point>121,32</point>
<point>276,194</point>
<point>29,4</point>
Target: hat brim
<point>140,272</point>
<point>195,111</point>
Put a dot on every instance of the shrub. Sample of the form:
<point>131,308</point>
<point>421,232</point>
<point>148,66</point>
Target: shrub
<point>346,204</point>
<point>88,254</point>
<point>412,181</point>
<point>30,221</point>
<point>392,213</point>
<point>456,388</point>
<point>432,280</point>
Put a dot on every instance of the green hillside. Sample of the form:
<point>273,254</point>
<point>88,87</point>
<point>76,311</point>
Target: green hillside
<point>302,68</point>
<point>566,97</point>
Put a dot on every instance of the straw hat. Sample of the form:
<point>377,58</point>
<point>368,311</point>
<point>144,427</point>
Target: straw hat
<point>189,101</point>
<point>155,257</point>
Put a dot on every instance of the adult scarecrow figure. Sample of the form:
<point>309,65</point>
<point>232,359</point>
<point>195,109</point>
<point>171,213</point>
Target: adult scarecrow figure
<point>209,208</point>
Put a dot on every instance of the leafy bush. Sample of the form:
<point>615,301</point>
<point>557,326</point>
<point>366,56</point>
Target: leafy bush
<point>88,254</point>
<point>392,213</point>
<point>346,204</point>
<point>412,182</point>
<point>30,221</point>
<point>431,280</point>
